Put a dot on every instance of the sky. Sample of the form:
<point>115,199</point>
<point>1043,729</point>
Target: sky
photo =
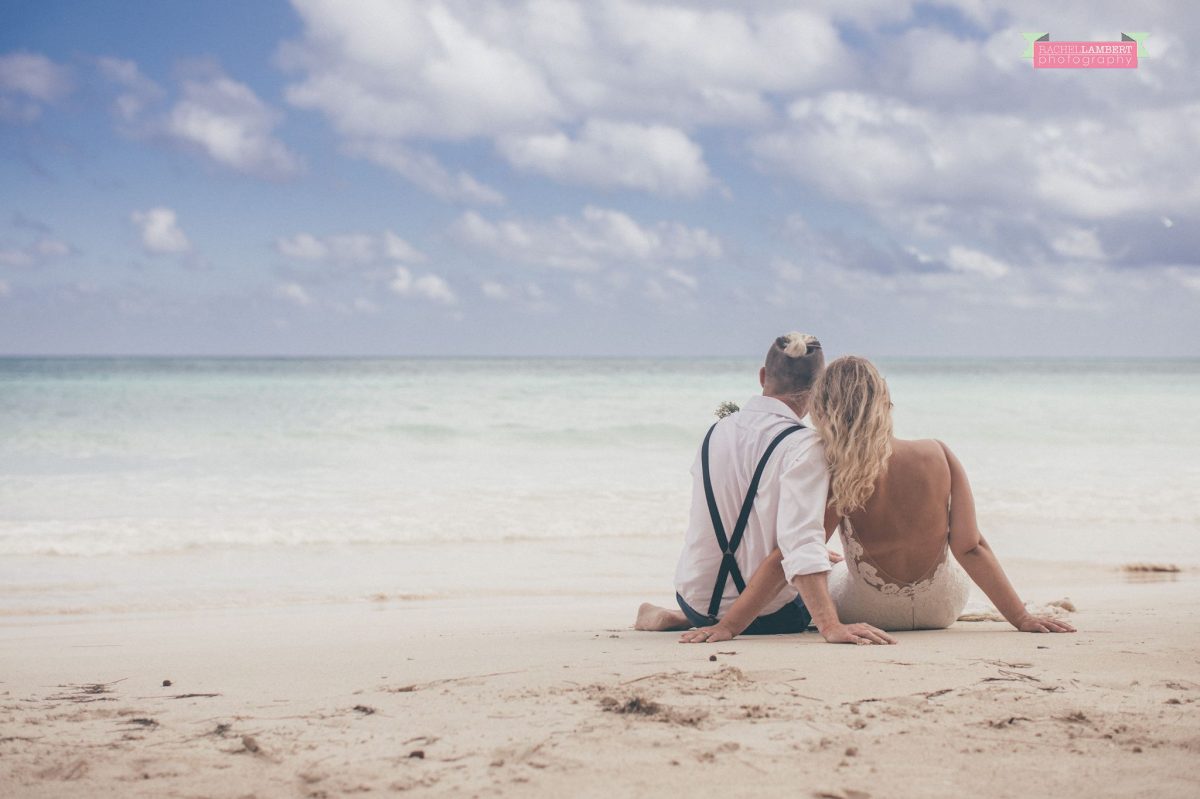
<point>630,177</point>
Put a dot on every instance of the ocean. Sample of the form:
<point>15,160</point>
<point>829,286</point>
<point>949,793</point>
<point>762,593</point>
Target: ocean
<point>1090,461</point>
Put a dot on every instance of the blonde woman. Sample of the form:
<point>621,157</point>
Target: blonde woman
<point>903,507</point>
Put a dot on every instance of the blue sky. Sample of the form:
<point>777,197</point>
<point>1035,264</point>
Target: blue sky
<point>474,178</point>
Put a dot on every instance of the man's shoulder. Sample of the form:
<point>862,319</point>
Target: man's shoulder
<point>804,443</point>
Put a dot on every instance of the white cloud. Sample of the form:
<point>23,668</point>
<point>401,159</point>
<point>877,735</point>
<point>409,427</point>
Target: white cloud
<point>160,231</point>
<point>494,290</point>
<point>5,289</point>
<point>964,259</point>
<point>43,250</point>
<point>140,92</point>
<point>229,123</point>
<point>52,248</point>
<point>656,158</point>
<point>426,171</point>
<point>435,288</point>
<point>397,249</point>
<point>1187,277</point>
<point>598,237</point>
<point>885,154</point>
<point>429,286</point>
<point>302,246</point>
<point>29,81</point>
<point>683,278</point>
<point>349,248</point>
<point>1078,243</point>
<point>215,115</point>
<point>388,73</point>
<point>294,292</point>
<point>12,256</point>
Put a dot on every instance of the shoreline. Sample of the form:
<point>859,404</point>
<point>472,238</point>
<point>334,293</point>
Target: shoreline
<point>41,586</point>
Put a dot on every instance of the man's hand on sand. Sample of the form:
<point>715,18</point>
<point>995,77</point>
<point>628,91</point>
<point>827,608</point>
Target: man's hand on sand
<point>862,634</point>
<point>1043,624</point>
<point>706,635</point>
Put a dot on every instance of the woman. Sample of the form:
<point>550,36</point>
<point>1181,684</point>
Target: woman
<point>902,507</point>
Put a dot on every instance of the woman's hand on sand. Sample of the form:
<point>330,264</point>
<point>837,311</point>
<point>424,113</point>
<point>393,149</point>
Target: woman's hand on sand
<point>1043,624</point>
<point>862,634</point>
<point>707,635</point>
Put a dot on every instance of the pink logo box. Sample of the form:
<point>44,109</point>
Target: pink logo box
<point>1085,55</point>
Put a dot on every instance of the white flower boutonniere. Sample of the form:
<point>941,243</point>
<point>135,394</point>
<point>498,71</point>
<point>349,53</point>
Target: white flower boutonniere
<point>726,408</point>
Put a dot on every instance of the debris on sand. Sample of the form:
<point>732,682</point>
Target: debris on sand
<point>638,705</point>
<point>635,704</point>
<point>981,614</point>
<point>86,692</point>
<point>364,709</point>
<point>1167,568</point>
<point>250,745</point>
<point>166,684</point>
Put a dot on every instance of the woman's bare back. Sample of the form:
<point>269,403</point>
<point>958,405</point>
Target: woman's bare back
<point>903,527</point>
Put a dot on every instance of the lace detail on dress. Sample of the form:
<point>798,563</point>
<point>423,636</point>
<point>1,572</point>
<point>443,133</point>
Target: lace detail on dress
<point>859,562</point>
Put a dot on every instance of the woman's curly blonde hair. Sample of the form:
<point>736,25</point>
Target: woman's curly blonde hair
<point>852,411</point>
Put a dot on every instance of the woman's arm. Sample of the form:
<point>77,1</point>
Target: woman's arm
<point>972,551</point>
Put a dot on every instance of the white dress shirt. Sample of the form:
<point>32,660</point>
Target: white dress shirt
<point>789,511</point>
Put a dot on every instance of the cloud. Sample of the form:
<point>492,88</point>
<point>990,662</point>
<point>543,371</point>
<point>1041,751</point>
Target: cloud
<point>227,121</point>
<point>139,94</point>
<point>494,290</point>
<point>655,158</point>
<point>29,82</point>
<point>295,293</point>
<point>160,231</point>
<point>1075,242</point>
<point>429,286</point>
<point>349,248</point>
<point>633,76</point>
<point>881,152</point>
<point>5,288</point>
<point>425,171</point>
<point>964,259</point>
<point>302,246</point>
<point>598,237</point>
<point>1187,277</point>
<point>41,251</point>
<point>214,115</point>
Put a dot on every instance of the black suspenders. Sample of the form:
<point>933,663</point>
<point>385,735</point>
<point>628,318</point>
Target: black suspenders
<point>729,567</point>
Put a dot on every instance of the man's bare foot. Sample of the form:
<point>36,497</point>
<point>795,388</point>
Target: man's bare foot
<point>656,619</point>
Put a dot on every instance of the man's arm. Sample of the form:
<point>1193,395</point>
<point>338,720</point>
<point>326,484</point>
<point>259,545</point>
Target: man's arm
<point>765,584</point>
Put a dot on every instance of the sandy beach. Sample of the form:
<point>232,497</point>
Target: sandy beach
<point>526,695</point>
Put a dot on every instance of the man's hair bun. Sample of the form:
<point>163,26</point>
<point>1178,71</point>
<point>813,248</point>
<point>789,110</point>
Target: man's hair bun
<point>797,345</point>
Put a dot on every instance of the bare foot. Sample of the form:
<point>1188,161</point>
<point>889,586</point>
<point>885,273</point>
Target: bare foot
<point>656,619</point>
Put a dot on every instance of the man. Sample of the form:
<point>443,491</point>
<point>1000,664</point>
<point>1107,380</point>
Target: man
<point>759,490</point>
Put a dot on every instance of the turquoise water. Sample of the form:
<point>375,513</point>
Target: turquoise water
<point>1070,460</point>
